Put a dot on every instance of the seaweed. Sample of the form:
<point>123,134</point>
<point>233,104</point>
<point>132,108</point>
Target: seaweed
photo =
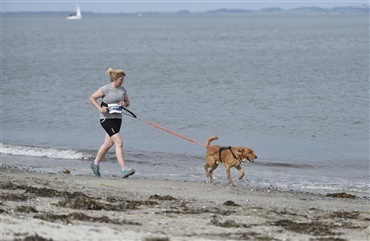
<point>156,238</point>
<point>188,210</point>
<point>14,197</point>
<point>241,236</point>
<point>48,192</point>
<point>345,215</point>
<point>81,217</point>
<point>162,198</point>
<point>8,186</point>
<point>26,209</point>
<point>231,203</point>
<point>84,202</point>
<point>341,195</point>
<point>228,224</point>
<point>35,237</point>
<point>312,228</point>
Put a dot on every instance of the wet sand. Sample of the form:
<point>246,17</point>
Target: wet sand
<point>61,206</point>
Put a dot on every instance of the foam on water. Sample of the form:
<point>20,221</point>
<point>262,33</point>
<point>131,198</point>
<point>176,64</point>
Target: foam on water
<point>32,151</point>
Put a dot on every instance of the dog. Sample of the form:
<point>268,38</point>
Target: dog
<point>230,156</point>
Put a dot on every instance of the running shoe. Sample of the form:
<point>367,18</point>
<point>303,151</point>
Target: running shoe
<point>128,172</point>
<point>95,169</point>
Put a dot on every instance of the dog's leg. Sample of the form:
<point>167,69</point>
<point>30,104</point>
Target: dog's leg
<point>206,169</point>
<point>211,172</point>
<point>228,174</point>
<point>242,172</point>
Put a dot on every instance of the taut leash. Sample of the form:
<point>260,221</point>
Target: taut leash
<point>129,113</point>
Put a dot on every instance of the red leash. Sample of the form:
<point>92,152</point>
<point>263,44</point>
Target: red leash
<point>173,133</point>
<point>163,129</point>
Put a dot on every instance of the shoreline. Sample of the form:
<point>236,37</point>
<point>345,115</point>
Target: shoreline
<point>255,174</point>
<point>60,206</point>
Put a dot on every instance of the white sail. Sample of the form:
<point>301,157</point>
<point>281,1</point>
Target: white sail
<point>78,12</point>
<point>77,15</point>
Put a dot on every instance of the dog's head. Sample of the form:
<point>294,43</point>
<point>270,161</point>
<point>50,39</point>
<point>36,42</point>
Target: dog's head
<point>246,153</point>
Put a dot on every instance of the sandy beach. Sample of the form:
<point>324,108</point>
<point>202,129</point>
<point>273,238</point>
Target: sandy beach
<point>62,206</point>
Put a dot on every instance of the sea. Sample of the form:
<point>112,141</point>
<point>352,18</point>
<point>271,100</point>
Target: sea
<point>294,88</point>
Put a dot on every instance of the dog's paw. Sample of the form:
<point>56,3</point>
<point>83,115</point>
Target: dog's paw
<point>231,184</point>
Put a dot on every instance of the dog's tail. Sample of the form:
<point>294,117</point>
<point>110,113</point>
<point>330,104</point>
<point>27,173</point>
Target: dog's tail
<point>212,138</point>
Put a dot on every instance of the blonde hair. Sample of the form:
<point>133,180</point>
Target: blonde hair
<point>115,74</point>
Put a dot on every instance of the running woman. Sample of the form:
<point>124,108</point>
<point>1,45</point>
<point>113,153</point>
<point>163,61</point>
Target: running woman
<point>114,97</point>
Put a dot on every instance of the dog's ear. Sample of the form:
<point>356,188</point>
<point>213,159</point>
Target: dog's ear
<point>241,150</point>
<point>247,149</point>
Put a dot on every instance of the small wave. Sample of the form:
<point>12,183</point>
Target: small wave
<point>17,150</point>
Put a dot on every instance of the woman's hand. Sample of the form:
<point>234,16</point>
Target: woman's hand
<point>123,103</point>
<point>103,109</point>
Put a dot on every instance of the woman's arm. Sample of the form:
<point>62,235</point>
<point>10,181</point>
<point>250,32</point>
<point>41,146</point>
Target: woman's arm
<point>93,99</point>
<point>125,102</point>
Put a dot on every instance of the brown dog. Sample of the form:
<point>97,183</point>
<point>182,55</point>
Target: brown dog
<point>229,156</point>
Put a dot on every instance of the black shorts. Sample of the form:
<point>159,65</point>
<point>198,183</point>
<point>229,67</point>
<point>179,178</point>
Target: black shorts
<point>111,126</point>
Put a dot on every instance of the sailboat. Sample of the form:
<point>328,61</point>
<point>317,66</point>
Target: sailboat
<point>77,15</point>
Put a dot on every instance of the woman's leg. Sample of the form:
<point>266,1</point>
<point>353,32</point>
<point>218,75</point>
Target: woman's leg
<point>117,139</point>
<point>108,143</point>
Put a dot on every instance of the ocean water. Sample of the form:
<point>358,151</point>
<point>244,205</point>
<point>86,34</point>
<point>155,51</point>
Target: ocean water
<point>293,88</point>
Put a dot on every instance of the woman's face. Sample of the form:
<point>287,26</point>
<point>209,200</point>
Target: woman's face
<point>118,82</point>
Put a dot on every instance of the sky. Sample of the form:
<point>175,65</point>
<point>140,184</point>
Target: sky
<point>133,6</point>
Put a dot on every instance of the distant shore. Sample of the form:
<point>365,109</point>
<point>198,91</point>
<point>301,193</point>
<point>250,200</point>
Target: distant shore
<point>350,10</point>
<point>85,207</point>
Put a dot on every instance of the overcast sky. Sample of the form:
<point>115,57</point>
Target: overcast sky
<point>133,6</point>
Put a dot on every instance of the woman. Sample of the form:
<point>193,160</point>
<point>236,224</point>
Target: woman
<point>113,95</point>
